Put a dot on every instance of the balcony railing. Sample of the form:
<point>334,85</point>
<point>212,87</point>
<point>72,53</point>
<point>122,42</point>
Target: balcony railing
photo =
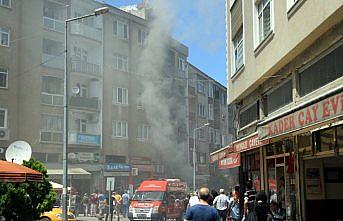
<point>84,139</point>
<point>85,102</point>
<point>85,67</point>
<point>53,24</point>
<point>87,31</point>
<point>53,61</point>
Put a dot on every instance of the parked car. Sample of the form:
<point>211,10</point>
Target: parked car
<point>56,215</point>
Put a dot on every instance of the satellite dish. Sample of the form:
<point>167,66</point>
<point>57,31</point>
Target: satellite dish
<point>18,151</point>
<point>76,90</point>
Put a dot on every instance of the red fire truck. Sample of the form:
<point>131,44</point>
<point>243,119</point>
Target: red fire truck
<point>159,200</point>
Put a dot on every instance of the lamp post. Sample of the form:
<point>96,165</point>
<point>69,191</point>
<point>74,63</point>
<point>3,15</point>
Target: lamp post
<point>194,153</point>
<point>98,11</point>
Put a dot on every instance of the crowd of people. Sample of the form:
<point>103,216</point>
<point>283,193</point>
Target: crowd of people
<point>98,204</point>
<point>252,206</point>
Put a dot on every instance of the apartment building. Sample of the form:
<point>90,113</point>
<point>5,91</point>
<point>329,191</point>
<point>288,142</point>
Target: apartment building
<point>109,133</point>
<point>206,104</point>
<point>284,71</point>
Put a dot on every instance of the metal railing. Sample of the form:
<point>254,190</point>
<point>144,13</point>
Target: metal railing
<point>53,24</point>
<point>87,31</point>
<point>85,102</point>
<point>85,67</point>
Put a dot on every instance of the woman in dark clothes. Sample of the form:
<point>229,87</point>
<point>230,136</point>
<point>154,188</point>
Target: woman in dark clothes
<point>262,209</point>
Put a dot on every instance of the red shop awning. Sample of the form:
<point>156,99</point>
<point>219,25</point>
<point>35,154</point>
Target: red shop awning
<point>12,172</point>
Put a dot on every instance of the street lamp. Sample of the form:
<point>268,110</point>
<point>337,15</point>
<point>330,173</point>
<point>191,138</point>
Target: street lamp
<point>194,153</point>
<point>98,11</point>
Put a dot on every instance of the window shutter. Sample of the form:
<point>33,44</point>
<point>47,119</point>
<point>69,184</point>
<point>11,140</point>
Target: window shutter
<point>236,17</point>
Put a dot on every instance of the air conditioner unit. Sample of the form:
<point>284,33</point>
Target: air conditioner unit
<point>134,172</point>
<point>4,134</point>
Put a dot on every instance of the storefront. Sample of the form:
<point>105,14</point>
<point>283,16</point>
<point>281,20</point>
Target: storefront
<point>304,159</point>
<point>121,173</point>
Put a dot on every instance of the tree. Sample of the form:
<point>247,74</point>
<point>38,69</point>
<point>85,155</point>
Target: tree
<point>28,200</point>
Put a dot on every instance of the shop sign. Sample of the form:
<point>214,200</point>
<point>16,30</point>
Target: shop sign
<point>144,168</point>
<point>324,110</point>
<point>88,139</point>
<point>140,160</point>
<point>248,144</point>
<point>123,167</point>
<point>83,157</point>
<point>219,155</point>
<point>230,161</point>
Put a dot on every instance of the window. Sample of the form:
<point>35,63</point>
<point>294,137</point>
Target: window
<point>3,117</point>
<point>210,90</point>
<point>4,36</point>
<point>222,99</point>
<point>3,78</point>
<point>115,159</point>
<point>139,101</point>
<point>290,4</point>
<point>248,115</point>
<point>238,50</point>
<point>210,112</point>
<point>201,110</point>
<point>142,36</point>
<point>264,18</point>
<point>121,96</point>
<point>217,137</point>
<point>52,91</point>
<point>52,47</point>
<point>143,132</point>
<point>52,128</point>
<point>119,129</point>
<point>171,58</point>
<point>5,3</point>
<point>279,97</point>
<point>201,134</point>
<point>200,87</point>
<point>322,71</point>
<point>181,64</point>
<point>202,158</point>
<point>120,29</point>
<point>81,125</point>
<point>212,134</point>
<point>121,62</point>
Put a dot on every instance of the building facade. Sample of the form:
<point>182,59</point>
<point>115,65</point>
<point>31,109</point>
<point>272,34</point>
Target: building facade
<point>285,79</point>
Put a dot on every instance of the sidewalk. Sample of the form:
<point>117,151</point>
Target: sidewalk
<point>87,218</point>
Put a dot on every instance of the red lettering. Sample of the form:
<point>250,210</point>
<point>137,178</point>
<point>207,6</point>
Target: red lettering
<point>315,111</point>
<point>308,116</point>
<point>291,122</point>
<point>300,118</point>
<point>342,102</point>
<point>270,130</point>
<point>285,122</point>
<point>326,111</point>
<point>276,131</point>
<point>280,126</point>
<point>334,104</point>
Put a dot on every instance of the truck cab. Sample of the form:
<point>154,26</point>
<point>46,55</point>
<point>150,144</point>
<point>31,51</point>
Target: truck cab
<point>158,200</point>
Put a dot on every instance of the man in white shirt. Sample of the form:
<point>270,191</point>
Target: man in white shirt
<point>221,202</point>
<point>193,200</point>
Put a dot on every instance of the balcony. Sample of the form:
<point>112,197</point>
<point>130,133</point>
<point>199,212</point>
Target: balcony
<point>52,99</point>
<point>85,102</point>
<point>87,31</point>
<point>53,24</point>
<point>53,61</point>
<point>84,139</point>
<point>85,67</point>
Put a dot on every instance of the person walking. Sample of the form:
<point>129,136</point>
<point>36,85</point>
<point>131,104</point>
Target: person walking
<point>94,203</point>
<point>125,204</point>
<point>85,203</point>
<point>193,200</point>
<point>202,211</point>
<point>249,202</point>
<point>221,202</point>
<point>234,207</point>
<point>262,210</point>
<point>277,212</point>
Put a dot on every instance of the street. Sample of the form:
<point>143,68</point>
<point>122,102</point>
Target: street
<point>87,218</point>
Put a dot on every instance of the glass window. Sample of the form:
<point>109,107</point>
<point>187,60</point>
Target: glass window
<point>121,96</point>
<point>210,112</point>
<point>121,62</point>
<point>3,119</point>
<point>52,85</point>
<point>3,78</point>
<point>200,86</point>
<point>340,137</point>
<point>210,89</point>
<point>120,29</point>
<point>52,128</point>
<point>222,98</point>
<point>4,36</point>
<point>119,129</point>
<point>143,132</point>
<point>5,3</point>
<point>322,72</point>
<point>142,36</point>
<point>264,19</point>
<point>148,196</point>
<point>280,97</point>
<point>201,110</point>
<point>249,115</point>
<point>238,50</point>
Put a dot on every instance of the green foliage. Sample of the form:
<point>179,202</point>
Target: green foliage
<point>28,200</point>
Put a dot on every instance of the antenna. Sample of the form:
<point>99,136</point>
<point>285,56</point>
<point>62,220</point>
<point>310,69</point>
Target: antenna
<point>18,151</point>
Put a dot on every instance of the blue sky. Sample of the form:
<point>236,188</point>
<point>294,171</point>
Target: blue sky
<point>199,24</point>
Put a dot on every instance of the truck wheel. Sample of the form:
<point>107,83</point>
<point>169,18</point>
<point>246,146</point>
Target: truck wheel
<point>44,219</point>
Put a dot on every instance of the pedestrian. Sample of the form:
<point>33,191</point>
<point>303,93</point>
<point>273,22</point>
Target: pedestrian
<point>102,204</point>
<point>281,192</point>
<point>214,194</point>
<point>202,211</point>
<point>262,210</point>
<point>221,202</point>
<point>193,200</point>
<point>125,204</point>
<point>94,203</point>
<point>277,213</point>
<point>249,202</point>
<point>234,207</point>
<point>118,201</point>
<point>85,203</point>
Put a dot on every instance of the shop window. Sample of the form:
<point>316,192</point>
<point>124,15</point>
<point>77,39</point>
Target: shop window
<point>322,71</point>
<point>249,115</point>
<point>324,140</point>
<point>340,137</point>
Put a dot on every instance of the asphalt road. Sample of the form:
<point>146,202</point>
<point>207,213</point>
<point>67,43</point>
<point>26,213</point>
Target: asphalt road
<point>115,218</point>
